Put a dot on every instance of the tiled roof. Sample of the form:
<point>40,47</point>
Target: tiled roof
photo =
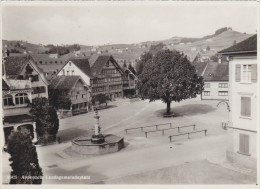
<point>64,82</point>
<point>216,72</point>
<point>4,85</point>
<point>100,63</point>
<point>250,44</point>
<point>14,65</point>
<point>199,67</point>
<point>83,64</point>
<point>18,118</point>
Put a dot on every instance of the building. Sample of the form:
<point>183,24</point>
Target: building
<point>76,89</point>
<point>216,83</point>
<point>107,77</point>
<point>77,66</point>
<point>129,82</point>
<point>243,102</point>
<point>22,82</point>
<point>24,68</point>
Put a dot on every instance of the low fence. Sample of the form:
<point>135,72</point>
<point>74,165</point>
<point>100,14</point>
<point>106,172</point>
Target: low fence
<point>188,133</point>
<point>156,126</point>
<point>162,130</point>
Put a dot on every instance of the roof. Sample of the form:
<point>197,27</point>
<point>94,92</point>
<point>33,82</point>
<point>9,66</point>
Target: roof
<point>4,85</point>
<point>15,65</point>
<point>64,82</point>
<point>248,45</point>
<point>216,72</point>
<point>83,64</point>
<point>199,67</point>
<point>101,62</point>
<point>18,118</point>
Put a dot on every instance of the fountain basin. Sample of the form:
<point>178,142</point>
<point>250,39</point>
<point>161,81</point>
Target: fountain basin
<point>111,144</point>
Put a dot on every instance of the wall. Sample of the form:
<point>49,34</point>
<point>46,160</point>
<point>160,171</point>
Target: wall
<point>214,91</point>
<point>236,90</point>
<point>72,67</point>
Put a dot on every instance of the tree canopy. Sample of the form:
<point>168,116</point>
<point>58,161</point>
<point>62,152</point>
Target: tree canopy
<point>45,116</point>
<point>169,76</point>
<point>24,160</point>
<point>143,60</point>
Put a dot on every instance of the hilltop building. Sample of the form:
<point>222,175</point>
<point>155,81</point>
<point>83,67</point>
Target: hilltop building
<point>243,101</point>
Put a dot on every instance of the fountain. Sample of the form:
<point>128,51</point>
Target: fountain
<point>97,143</point>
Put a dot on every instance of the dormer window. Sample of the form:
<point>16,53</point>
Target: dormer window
<point>28,69</point>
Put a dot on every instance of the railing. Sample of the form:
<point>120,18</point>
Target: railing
<point>156,126</point>
<point>188,133</point>
<point>162,130</point>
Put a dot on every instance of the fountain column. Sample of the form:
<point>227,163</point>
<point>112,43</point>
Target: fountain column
<point>97,126</point>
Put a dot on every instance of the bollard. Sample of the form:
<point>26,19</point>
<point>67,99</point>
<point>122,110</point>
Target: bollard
<point>193,127</point>
<point>205,132</point>
<point>163,132</point>
<point>170,138</point>
<point>145,134</point>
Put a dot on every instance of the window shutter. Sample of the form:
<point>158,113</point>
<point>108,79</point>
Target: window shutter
<point>248,107</point>
<point>254,73</point>
<point>244,143</point>
<point>243,106</point>
<point>238,72</point>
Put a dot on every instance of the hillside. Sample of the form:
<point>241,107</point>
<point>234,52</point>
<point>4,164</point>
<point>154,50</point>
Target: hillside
<point>221,39</point>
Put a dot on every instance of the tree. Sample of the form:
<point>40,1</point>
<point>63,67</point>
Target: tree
<point>124,64</point>
<point>45,116</point>
<point>143,60</point>
<point>101,98</point>
<point>24,160</point>
<point>59,99</point>
<point>156,48</point>
<point>169,77</point>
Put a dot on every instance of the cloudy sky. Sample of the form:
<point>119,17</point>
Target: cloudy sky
<point>97,25</point>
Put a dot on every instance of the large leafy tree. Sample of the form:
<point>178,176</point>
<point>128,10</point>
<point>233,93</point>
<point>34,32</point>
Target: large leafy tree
<point>144,59</point>
<point>101,98</point>
<point>169,76</point>
<point>24,160</point>
<point>45,116</point>
<point>59,99</point>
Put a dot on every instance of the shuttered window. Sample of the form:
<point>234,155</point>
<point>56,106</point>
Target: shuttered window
<point>246,106</point>
<point>254,73</point>
<point>238,73</point>
<point>244,144</point>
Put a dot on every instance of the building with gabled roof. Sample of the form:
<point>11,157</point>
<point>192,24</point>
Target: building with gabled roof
<point>215,76</point>
<point>107,77</point>
<point>77,66</point>
<point>74,87</point>
<point>243,102</point>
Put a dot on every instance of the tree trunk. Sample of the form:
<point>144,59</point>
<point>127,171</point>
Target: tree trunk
<point>168,110</point>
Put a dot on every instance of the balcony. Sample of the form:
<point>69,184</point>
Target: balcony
<point>19,84</point>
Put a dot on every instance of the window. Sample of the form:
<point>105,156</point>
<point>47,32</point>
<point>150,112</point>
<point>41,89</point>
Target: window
<point>70,64</point>
<point>72,72</point>
<point>68,72</point>
<point>37,90</point>
<point>207,85</point>
<point>222,85</point>
<point>246,73</point>
<point>244,144</point>
<point>246,106</point>
<point>222,93</point>
<point>8,100</point>
<point>21,98</point>
<point>206,93</point>
<point>40,62</point>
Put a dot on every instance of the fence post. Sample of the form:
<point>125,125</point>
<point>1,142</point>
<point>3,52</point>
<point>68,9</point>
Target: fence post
<point>205,132</point>
<point>193,127</point>
<point>170,138</point>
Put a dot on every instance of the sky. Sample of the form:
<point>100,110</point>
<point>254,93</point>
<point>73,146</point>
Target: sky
<point>106,24</point>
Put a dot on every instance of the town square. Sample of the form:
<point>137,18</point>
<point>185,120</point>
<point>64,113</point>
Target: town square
<point>136,97</point>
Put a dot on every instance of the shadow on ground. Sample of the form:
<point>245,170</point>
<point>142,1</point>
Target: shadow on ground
<point>69,134</point>
<point>187,110</point>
